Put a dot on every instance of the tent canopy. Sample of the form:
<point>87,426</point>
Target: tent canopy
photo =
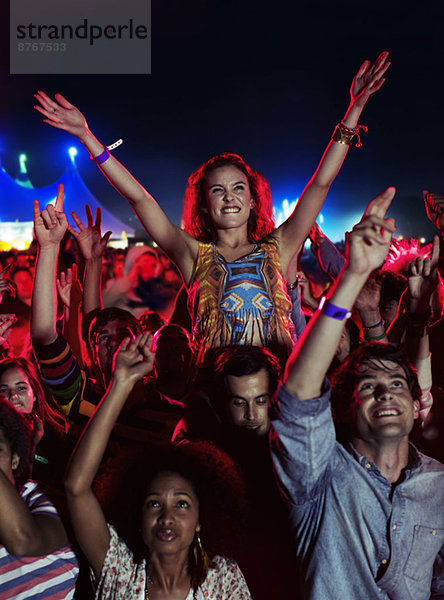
<point>17,197</point>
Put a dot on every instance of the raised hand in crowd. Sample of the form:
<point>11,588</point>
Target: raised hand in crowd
<point>369,241</point>
<point>422,283</point>
<point>307,296</point>
<point>92,246</point>
<point>70,293</point>
<point>367,305</point>
<point>423,279</point>
<point>50,226</point>
<point>133,361</point>
<point>69,287</point>
<point>369,79</point>
<point>367,247</point>
<point>62,114</point>
<point>7,285</point>
<point>90,240</point>
<point>434,204</point>
<point>6,322</point>
<point>292,233</point>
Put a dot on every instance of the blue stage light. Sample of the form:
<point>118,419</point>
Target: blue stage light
<point>72,152</point>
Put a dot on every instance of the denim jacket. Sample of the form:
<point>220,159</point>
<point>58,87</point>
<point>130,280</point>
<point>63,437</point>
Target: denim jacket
<point>358,537</point>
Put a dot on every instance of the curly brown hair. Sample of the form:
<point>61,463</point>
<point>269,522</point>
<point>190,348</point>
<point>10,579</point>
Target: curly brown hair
<point>195,218</point>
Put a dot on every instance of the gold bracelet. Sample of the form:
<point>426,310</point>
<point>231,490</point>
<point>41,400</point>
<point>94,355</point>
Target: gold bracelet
<point>345,135</point>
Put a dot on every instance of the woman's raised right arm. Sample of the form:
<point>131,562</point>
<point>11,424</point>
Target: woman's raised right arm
<point>180,247</point>
<point>133,361</point>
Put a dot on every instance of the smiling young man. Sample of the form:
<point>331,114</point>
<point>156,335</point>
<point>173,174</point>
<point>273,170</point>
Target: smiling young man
<point>366,512</point>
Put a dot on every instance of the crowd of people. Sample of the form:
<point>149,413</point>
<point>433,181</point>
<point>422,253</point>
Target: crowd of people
<point>203,418</point>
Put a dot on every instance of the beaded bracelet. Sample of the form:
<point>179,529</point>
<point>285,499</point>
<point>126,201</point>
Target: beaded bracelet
<point>376,338</point>
<point>345,135</point>
<point>381,322</point>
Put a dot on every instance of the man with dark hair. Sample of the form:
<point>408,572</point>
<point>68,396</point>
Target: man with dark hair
<point>348,376</point>
<point>230,408</point>
<point>231,396</point>
<point>107,330</point>
<point>35,558</point>
<point>367,514</point>
<point>247,377</point>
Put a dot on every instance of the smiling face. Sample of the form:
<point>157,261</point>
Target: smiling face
<point>383,405</point>
<point>229,200</point>
<point>170,516</point>
<point>16,388</point>
<point>247,401</point>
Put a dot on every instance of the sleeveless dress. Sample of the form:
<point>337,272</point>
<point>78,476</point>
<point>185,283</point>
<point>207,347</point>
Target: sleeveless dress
<point>242,302</point>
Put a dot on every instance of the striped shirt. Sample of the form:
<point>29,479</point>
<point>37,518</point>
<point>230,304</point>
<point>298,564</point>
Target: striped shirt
<point>149,416</point>
<point>49,577</point>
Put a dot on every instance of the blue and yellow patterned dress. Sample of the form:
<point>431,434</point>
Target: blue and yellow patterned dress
<point>242,302</point>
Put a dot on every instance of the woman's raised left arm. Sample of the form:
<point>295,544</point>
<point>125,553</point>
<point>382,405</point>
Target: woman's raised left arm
<point>292,233</point>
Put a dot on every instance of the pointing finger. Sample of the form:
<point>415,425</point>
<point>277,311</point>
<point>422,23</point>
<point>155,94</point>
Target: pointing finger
<point>60,197</point>
<point>36,210</point>
<point>379,205</point>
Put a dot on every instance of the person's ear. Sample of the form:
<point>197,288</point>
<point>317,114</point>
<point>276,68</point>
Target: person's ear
<point>15,461</point>
<point>252,203</point>
<point>198,528</point>
<point>416,408</point>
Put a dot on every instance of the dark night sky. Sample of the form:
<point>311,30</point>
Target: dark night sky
<point>266,80</point>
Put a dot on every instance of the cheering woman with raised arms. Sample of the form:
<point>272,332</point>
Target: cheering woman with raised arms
<point>229,224</point>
